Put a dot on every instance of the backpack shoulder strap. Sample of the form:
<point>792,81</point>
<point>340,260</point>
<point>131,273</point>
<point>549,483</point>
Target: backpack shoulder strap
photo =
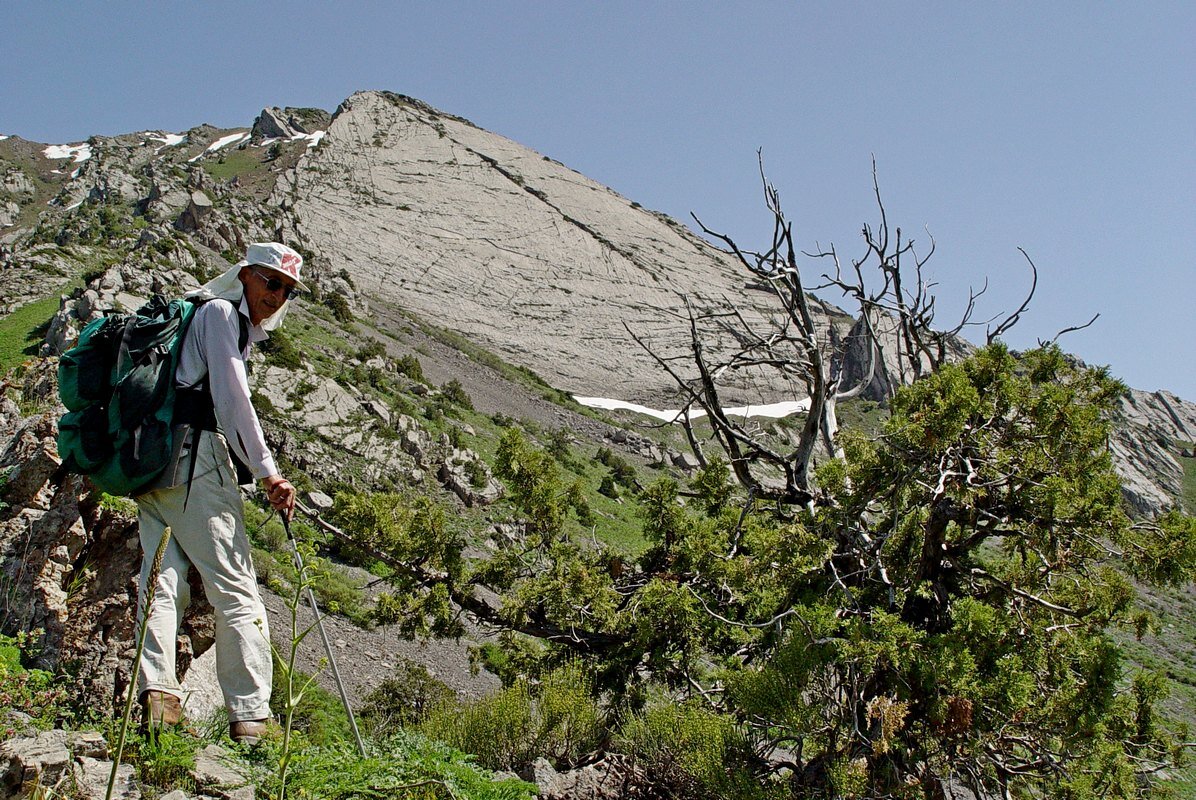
<point>242,322</point>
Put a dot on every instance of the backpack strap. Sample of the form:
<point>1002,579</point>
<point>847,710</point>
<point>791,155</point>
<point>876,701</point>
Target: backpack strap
<point>193,404</point>
<point>195,408</point>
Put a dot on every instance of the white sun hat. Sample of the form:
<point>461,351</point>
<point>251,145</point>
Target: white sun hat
<point>277,257</point>
<point>270,255</point>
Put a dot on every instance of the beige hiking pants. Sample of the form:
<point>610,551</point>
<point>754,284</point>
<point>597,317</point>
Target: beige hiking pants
<point>209,534</point>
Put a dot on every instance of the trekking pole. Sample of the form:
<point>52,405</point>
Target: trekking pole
<point>315,610</point>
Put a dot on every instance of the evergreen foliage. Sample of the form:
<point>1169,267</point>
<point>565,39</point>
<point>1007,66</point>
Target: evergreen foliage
<point>555,718</point>
<point>942,612</point>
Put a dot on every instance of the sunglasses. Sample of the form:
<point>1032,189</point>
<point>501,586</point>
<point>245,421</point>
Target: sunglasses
<point>274,284</point>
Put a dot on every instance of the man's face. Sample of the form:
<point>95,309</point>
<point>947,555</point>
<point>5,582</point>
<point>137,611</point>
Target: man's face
<point>263,301</point>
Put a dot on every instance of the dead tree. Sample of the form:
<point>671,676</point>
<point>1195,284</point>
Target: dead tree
<point>897,313</point>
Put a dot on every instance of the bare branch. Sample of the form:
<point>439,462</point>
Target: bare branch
<point>1072,329</point>
<point>1013,318</point>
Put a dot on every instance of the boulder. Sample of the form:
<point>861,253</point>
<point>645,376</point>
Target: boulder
<point>466,474</point>
<point>9,213</point>
<point>197,212</point>
<point>272,124</point>
<point>319,501</point>
<point>214,773</point>
<point>612,778</point>
<point>17,182</point>
<point>45,760</point>
<point>91,776</point>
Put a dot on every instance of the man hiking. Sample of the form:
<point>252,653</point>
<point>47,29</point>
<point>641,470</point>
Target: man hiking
<point>199,499</point>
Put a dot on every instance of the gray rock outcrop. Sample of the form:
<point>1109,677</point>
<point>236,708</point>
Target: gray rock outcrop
<point>70,562</point>
<point>510,248</point>
<point>1149,434</point>
<point>283,123</point>
<point>613,778</point>
<point>49,763</point>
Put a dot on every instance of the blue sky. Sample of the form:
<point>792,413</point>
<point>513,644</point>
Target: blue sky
<point>1064,128</point>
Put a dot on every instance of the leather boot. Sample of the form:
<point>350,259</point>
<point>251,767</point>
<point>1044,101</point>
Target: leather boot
<point>160,709</point>
<point>248,731</point>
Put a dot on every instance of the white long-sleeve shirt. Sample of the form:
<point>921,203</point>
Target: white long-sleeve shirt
<point>210,348</point>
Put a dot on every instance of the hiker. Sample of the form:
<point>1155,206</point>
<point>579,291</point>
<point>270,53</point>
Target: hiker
<point>218,445</point>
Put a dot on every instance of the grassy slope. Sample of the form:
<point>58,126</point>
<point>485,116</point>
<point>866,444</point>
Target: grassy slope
<point>22,331</point>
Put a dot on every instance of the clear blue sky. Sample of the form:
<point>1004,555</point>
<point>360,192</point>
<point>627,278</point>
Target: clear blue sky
<point>1065,128</point>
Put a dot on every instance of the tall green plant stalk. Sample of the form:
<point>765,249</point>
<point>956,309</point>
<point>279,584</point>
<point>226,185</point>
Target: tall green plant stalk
<point>294,695</point>
<point>151,587</point>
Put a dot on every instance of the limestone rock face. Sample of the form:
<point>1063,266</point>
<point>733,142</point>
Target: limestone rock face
<point>1149,436</point>
<point>516,251</point>
<point>271,124</point>
<point>283,123</point>
<point>49,761</point>
<point>71,563</point>
<point>16,182</point>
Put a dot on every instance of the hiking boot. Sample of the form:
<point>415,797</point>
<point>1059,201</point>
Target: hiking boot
<point>160,709</point>
<point>248,731</point>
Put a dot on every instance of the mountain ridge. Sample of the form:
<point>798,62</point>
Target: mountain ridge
<point>498,250</point>
<point>400,201</point>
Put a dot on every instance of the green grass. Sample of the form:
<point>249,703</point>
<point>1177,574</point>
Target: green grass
<point>22,331</point>
<point>234,163</point>
<point>866,416</point>
<point>403,765</point>
<point>617,522</point>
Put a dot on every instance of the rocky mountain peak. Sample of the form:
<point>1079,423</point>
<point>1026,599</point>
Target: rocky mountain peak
<point>397,203</point>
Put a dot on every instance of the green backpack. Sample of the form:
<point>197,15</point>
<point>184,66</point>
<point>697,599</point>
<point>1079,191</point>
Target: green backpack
<point>118,386</point>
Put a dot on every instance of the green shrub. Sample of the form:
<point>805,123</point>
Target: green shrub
<point>621,471</point>
<point>455,393</point>
<point>691,750</point>
<point>557,719</point>
<point>30,691</point>
<point>406,698</point>
<point>339,305</point>
<point>608,487</point>
<point>479,476</point>
<point>409,365</point>
<point>280,351</point>
<point>401,404</point>
<point>371,349</point>
<point>262,404</point>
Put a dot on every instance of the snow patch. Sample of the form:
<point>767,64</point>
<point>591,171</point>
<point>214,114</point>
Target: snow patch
<point>312,139</point>
<point>168,139</point>
<point>4,136</point>
<point>79,152</point>
<point>769,410</point>
<point>223,142</point>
